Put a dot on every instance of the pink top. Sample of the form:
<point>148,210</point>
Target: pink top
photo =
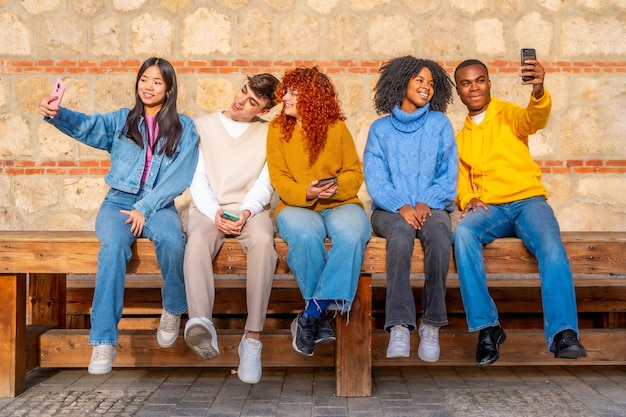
<point>153,133</point>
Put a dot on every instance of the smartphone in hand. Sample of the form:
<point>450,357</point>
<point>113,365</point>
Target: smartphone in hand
<point>527,53</point>
<point>324,181</point>
<point>229,216</point>
<point>57,91</point>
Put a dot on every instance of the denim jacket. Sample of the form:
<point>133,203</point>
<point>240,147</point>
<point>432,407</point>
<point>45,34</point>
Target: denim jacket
<point>167,178</point>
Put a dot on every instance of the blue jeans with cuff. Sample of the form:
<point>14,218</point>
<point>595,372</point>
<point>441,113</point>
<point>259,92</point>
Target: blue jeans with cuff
<point>325,275</point>
<point>533,221</point>
<point>164,228</point>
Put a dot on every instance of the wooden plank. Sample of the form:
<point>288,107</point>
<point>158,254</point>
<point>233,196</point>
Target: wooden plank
<point>588,252</point>
<point>12,334</point>
<point>55,252</point>
<point>353,357</point>
<point>69,349</point>
<point>521,348</point>
<point>32,344</point>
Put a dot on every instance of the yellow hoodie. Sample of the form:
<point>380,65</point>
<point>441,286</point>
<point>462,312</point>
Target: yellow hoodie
<point>495,162</point>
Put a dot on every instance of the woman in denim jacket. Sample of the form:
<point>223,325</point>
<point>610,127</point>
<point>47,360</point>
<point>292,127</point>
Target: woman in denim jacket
<point>154,151</point>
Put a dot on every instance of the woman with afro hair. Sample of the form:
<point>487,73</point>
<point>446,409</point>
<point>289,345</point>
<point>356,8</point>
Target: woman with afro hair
<point>315,169</point>
<point>411,170</point>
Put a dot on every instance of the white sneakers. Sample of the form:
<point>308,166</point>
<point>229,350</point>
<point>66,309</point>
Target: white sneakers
<point>250,368</point>
<point>168,329</point>
<point>201,337</point>
<point>428,350</point>
<point>399,342</point>
<point>102,359</point>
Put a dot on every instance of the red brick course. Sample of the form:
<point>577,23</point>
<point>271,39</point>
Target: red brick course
<point>98,167</point>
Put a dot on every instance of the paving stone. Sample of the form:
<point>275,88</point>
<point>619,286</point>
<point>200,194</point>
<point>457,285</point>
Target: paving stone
<point>397,392</point>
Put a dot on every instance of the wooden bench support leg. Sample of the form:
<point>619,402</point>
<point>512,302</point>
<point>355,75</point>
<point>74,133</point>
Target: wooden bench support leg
<point>353,356</point>
<point>12,334</point>
<point>47,299</point>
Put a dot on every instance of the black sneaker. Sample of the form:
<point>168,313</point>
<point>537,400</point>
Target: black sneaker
<point>325,332</point>
<point>303,334</point>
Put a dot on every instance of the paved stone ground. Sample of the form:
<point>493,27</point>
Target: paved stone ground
<point>576,391</point>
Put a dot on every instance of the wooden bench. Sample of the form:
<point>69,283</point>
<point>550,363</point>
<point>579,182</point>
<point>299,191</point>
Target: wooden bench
<point>43,296</point>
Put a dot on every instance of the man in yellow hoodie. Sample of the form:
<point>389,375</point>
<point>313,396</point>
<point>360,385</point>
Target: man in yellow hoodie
<point>500,194</point>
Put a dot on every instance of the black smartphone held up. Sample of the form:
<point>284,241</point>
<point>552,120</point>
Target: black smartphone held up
<point>325,181</point>
<point>229,216</point>
<point>527,53</point>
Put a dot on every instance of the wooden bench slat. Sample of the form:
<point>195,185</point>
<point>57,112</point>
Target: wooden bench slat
<point>55,252</point>
<point>61,348</point>
<point>521,348</point>
<point>69,349</point>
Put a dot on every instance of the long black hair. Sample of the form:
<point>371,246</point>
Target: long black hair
<point>395,75</point>
<point>170,128</point>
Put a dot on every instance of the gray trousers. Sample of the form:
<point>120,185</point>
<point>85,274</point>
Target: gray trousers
<point>203,243</point>
<point>435,237</point>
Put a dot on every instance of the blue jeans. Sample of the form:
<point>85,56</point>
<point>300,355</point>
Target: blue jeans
<point>164,228</point>
<point>400,236</point>
<point>322,275</point>
<point>534,222</point>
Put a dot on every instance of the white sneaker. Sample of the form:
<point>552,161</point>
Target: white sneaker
<point>399,342</point>
<point>250,368</point>
<point>102,359</point>
<point>201,337</point>
<point>168,329</point>
<point>429,343</point>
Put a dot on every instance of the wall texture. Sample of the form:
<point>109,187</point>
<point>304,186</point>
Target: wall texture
<point>49,181</point>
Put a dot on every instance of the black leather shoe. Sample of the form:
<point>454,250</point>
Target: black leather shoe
<point>489,340</point>
<point>568,346</point>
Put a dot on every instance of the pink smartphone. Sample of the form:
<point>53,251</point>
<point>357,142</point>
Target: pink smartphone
<point>57,91</point>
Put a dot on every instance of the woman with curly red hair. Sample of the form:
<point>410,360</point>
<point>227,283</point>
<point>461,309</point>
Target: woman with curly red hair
<point>315,169</point>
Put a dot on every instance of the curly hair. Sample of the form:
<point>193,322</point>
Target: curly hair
<point>317,104</point>
<point>395,75</point>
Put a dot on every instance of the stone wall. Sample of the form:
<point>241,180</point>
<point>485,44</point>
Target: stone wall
<point>49,181</point>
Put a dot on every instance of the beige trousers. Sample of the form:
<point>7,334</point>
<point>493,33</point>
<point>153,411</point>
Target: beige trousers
<point>203,243</point>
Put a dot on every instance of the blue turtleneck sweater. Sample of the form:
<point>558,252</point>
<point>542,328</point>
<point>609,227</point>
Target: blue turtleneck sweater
<point>411,158</point>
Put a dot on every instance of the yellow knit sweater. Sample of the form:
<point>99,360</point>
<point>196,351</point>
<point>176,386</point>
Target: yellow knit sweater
<point>291,174</point>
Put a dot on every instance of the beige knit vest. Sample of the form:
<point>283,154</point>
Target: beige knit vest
<point>232,165</point>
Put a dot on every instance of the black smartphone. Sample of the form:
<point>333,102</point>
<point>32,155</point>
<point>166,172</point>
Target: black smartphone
<point>527,53</point>
<point>229,216</point>
<point>325,181</point>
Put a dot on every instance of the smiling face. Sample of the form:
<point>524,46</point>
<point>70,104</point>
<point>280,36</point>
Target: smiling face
<point>246,105</point>
<point>474,88</point>
<point>152,90</point>
<point>290,101</point>
<point>419,91</point>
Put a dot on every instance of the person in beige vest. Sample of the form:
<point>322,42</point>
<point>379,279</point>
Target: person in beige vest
<point>231,193</point>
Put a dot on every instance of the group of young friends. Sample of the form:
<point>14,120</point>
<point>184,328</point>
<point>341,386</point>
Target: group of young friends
<point>415,170</point>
